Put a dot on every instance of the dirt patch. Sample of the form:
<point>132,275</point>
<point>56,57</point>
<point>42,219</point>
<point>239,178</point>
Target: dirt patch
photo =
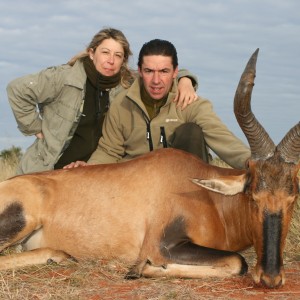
<point>104,280</point>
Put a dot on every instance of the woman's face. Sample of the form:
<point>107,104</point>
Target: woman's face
<point>108,57</point>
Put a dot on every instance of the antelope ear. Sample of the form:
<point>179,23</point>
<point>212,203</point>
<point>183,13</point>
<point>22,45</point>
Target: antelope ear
<point>227,185</point>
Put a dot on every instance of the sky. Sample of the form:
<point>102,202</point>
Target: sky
<point>214,40</point>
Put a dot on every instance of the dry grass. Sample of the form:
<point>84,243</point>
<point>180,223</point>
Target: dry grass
<point>8,167</point>
<point>88,280</point>
<point>293,239</point>
<point>95,280</point>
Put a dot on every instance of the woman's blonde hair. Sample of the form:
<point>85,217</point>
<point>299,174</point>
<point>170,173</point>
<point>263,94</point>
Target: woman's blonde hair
<point>110,33</point>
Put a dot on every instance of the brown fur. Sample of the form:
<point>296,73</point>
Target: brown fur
<point>123,211</point>
<point>124,206</point>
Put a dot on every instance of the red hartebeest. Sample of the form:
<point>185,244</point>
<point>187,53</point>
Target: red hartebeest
<point>149,213</point>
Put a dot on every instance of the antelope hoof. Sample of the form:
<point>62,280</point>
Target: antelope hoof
<point>132,275</point>
<point>50,261</point>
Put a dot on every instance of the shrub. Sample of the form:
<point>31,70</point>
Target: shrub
<point>9,160</point>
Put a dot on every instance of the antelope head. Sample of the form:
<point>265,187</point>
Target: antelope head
<point>270,185</point>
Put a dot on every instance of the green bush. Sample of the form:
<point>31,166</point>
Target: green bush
<point>11,153</point>
<point>9,160</point>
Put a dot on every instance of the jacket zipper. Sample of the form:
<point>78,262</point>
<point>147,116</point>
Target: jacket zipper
<point>163,139</point>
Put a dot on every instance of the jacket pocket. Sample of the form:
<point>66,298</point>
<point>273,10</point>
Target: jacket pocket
<point>42,153</point>
<point>36,158</point>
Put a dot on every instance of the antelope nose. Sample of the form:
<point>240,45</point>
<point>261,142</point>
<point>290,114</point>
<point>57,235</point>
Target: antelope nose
<point>272,281</point>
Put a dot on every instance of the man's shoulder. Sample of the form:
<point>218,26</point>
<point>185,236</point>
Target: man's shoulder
<point>125,94</point>
<point>120,96</point>
<point>200,102</point>
<point>120,102</point>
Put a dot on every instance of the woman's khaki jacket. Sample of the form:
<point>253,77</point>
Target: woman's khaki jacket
<point>51,102</point>
<point>128,132</point>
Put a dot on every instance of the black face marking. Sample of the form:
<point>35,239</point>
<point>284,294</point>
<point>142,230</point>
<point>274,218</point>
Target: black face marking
<point>12,221</point>
<point>271,243</point>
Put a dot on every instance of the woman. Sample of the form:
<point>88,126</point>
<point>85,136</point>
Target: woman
<point>64,106</point>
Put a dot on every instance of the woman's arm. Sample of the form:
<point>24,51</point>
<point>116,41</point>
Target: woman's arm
<point>24,95</point>
<point>187,86</point>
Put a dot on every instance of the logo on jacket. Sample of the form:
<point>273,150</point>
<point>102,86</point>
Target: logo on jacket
<point>171,120</point>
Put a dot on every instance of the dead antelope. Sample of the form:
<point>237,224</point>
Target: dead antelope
<point>148,213</point>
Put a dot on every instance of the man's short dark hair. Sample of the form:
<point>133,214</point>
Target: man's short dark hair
<point>158,47</point>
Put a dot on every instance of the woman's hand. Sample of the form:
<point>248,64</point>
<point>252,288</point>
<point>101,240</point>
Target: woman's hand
<point>186,93</point>
<point>39,135</point>
<point>76,164</point>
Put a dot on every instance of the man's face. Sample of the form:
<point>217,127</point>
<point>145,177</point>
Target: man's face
<point>157,73</point>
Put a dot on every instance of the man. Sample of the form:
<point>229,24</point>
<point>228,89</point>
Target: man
<point>143,118</point>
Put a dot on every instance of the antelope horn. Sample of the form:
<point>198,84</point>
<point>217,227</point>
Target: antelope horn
<point>289,147</point>
<point>260,143</point>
